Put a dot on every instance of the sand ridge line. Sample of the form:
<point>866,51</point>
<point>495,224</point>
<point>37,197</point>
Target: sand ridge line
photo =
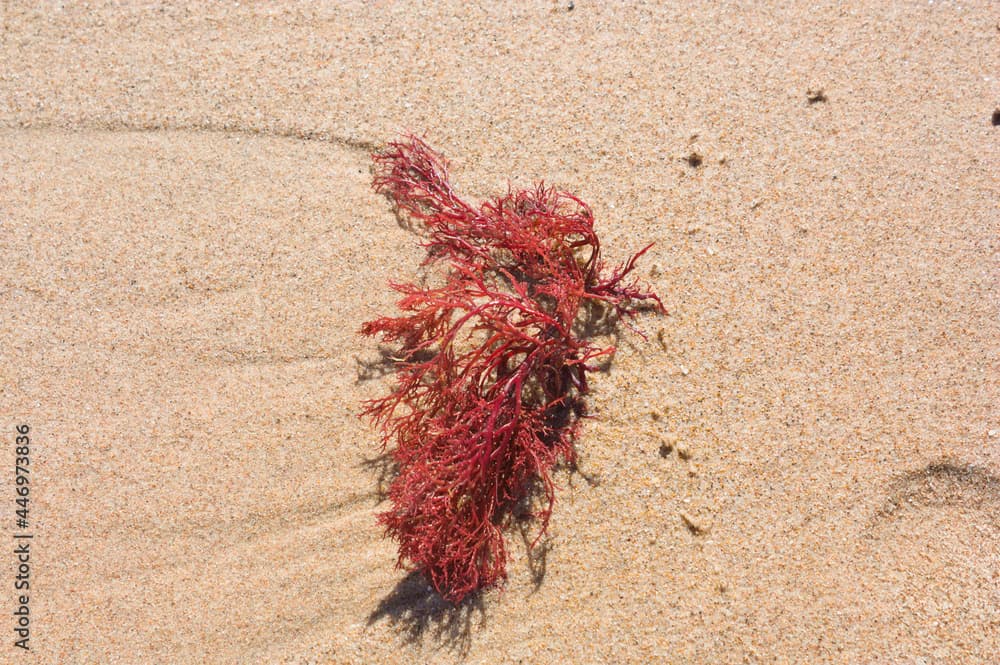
<point>322,512</point>
<point>296,133</point>
<point>946,483</point>
<point>228,358</point>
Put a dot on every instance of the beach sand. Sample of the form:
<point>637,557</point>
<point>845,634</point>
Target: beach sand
<point>190,246</point>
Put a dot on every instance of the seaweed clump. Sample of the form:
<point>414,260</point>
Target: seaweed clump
<point>490,366</point>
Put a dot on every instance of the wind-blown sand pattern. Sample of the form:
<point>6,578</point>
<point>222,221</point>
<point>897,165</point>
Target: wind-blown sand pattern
<point>190,245</point>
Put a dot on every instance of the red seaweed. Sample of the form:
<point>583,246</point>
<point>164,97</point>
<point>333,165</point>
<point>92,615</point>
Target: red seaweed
<point>490,365</point>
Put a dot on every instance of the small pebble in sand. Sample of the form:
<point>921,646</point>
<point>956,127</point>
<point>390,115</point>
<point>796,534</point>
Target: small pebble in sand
<point>815,95</point>
<point>661,337</point>
<point>694,160</point>
<point>694,526</point>
<point>667,444</point>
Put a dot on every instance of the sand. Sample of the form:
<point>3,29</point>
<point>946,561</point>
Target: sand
<point>190,246</point>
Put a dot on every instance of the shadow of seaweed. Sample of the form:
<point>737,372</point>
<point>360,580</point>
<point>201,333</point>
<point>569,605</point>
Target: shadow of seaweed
<point>592,479</point>
<point>369,369</point>
<point>385,364</point>
<point>384,469</point>
<point>536,556</point>
<point>419,612</point>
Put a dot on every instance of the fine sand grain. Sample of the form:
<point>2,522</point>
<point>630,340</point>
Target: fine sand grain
<point>800,464</point>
